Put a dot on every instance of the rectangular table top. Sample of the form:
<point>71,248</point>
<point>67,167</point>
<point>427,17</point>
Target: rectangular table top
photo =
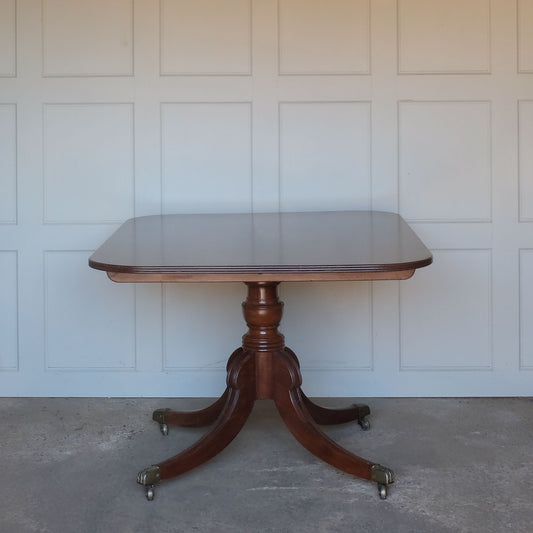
<point>275,246</point>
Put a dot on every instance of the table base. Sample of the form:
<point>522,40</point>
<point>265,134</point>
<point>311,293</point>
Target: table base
<point>263,368</point>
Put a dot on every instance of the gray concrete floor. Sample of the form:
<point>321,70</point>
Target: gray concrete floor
<point>461,465</point>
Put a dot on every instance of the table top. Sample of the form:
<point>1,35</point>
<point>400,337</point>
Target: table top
<point>332,245</point>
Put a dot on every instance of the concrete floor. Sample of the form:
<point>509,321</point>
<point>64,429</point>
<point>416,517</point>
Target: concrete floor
<point>461,465</point>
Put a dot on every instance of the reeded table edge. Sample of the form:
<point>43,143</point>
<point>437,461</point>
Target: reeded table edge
<point>261,269</point>
<point>175,274</point>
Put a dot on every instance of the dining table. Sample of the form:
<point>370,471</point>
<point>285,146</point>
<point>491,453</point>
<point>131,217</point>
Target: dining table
<point>263,250</point>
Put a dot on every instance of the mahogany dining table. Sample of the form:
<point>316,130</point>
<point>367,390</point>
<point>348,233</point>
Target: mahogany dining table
<point>262,250</point>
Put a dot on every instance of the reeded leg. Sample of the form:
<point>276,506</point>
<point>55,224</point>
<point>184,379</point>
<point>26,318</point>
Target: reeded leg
<point>239,402</point>
<point>202,417</point>
<point>326,417</point>
<point>290,402</point>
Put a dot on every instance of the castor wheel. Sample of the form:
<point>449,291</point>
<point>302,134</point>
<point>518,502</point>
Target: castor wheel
<point>383,476</point>
<point>149,477</point>
<point>150,493</point>
<point>364,423</point>
<point>159,416</point>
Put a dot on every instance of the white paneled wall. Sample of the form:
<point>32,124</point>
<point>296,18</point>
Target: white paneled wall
<point>117,108</point>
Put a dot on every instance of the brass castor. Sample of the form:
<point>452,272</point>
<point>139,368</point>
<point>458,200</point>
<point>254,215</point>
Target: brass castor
<point>364,423</point>
<point>149,477</point>
<point>383,476</point>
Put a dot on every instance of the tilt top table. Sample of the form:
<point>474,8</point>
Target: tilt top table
<point>263,250</point>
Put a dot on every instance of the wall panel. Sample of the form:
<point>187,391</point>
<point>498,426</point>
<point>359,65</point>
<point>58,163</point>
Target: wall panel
<point>525,36</point>
<point>89,322</point>
<point>8,310</point>
<point>8,36</point>
<point>525,159</point>
<point>99,34</point>
<point>8,164</point>
<point>192,313</point>
<point>526,309</point>
<point>317,37</point>
<point>206,157</point>
<point>325,155</point>
<point>88,186</point>
<point>454,332</point>
<point>206,37</point>
<point>444,37</point>
<point>331,325</point>
<point>445,161</point>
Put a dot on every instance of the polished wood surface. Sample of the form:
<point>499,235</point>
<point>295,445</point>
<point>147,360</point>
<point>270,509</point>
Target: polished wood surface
<point>263,250</point>
<point>251,247</point>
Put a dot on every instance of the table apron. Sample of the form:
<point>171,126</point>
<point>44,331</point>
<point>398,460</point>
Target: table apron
<point>153,277</point>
